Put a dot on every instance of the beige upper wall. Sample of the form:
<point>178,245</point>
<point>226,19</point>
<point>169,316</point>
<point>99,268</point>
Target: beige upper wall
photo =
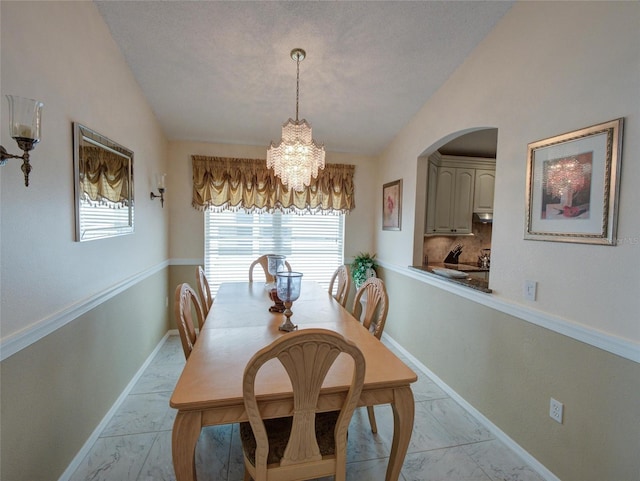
<point>62,53</point>
<point>547,68</point>
<point>187,224</point>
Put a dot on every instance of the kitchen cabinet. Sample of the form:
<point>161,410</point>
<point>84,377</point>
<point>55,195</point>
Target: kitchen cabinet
<point>454,200</point>
<point>483,191</point>
<point>432,181</point>
<point>455,187</point>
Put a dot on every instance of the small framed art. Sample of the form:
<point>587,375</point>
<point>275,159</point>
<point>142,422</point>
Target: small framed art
<point>392,205</point>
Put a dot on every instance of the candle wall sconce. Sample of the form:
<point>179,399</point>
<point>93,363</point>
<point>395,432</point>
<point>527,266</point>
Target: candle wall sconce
<point>24,126</point>
<point>161,189</point>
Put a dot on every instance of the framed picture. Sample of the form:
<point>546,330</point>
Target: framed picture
<point>392,205</point>
<point>572,185</point>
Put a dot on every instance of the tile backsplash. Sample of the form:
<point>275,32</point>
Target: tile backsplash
<point>436,248</point>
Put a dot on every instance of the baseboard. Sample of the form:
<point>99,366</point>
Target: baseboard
<point>77,460</point>
<point>497,432</point>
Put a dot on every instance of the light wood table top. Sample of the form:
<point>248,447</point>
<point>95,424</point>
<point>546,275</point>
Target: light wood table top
<point>239,324</point>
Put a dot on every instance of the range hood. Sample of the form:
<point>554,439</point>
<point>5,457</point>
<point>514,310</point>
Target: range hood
<point>483,217</point>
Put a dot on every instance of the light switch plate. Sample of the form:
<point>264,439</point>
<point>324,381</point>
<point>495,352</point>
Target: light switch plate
<point>530,290</point>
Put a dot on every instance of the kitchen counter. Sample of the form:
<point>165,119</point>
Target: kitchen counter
<point>457,267</point>
<point>472,282</point>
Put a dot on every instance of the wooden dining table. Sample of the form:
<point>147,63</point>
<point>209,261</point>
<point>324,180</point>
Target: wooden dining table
<point>209,390</point>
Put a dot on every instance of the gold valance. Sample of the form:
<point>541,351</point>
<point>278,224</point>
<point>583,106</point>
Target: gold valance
<point>104,177</point>
<point>246,184</point>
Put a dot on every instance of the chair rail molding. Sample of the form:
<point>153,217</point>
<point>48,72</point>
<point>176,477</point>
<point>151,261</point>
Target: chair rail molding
<point>36,331</point>
<point>607,342</point>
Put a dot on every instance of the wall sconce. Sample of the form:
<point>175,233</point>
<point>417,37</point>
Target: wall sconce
<point>161,188</point>
<point>24,125</point>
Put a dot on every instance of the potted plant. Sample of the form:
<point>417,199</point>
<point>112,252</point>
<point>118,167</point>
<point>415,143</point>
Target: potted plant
<point>363,267</point>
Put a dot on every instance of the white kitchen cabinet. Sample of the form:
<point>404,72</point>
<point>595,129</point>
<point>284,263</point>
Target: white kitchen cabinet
<point>483,192</point>
<point>455,185</point>
<point>453,201</point>
<point>432,181</point>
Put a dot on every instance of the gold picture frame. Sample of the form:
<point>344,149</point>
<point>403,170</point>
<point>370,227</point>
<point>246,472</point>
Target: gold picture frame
<point>572,187</point>
<point>392,205</point>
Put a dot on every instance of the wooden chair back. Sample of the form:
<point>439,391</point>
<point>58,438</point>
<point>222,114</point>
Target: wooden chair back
<point>206,299</point>
<point>341,283</point>
<point>186,299</point>
<point>377,301</point>
<point>307,355</point>
<point>263,262</point>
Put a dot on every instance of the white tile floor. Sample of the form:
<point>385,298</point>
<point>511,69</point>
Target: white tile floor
<point>447,444</point>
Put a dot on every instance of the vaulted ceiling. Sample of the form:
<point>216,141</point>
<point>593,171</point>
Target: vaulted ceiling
<point>221,71</point>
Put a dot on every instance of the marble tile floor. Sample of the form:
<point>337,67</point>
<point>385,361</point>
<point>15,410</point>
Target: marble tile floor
<point>447,444</point>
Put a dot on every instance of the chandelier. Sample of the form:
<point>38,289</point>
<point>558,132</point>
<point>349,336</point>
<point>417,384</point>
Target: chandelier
<point>297,157</point>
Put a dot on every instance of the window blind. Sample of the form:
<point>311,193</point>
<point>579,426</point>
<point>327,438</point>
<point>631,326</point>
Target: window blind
<point>99,220</point>
<point>313,244</point>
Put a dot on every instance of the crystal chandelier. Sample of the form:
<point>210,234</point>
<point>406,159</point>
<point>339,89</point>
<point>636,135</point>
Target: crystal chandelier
<point>297,157</point>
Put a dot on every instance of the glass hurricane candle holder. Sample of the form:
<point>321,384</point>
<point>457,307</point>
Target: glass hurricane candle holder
<point>288,287</point>
<point>275,264</point>
<point>25,117</point>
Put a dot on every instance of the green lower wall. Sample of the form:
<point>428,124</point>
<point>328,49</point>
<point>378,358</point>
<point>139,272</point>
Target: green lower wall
<point>508,369</point>
<point>56,391</point>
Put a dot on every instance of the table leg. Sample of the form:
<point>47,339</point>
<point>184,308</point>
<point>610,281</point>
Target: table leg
<point>186,431</point>
<point>403,412</point>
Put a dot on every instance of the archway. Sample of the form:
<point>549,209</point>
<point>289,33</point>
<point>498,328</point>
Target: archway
<point>469,152</point>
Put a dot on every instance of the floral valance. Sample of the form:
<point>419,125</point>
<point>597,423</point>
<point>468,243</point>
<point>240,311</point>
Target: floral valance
<point>104,177</point>
<point>246,184</point>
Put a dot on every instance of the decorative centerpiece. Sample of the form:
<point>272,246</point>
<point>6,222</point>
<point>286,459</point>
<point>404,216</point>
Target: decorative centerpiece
<point>288,290</point>
<point>275,264</point>
<point>363,267</point>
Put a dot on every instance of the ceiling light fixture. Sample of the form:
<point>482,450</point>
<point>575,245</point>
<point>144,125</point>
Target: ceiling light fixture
<point>297,157</point>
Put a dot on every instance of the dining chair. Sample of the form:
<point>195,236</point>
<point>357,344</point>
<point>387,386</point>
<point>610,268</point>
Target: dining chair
<point>310,444</point>
<point>341,282</point>
<point>206,299</point>
<point>264,263</point>
<point>377,300</point>
<point>186,299</point>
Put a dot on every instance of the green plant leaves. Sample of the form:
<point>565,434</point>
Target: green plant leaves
<point>360,265</point>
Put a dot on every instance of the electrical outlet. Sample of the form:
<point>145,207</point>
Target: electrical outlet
<point>530,290</point>
<point>556,409</point>
<point>166,301</point>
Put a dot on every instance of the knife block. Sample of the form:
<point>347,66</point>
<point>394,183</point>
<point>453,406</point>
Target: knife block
<point>452,258</point>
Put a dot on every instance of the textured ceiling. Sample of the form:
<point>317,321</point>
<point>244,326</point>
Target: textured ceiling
<point>221,72</point>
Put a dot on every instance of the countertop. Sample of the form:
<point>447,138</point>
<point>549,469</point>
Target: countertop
<point>472,282</point>
<point>457,267</point>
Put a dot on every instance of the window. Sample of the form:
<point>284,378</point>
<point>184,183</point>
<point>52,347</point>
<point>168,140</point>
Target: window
<point>313,244</point>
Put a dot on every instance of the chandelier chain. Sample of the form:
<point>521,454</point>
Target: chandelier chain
<point>297,83</point>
